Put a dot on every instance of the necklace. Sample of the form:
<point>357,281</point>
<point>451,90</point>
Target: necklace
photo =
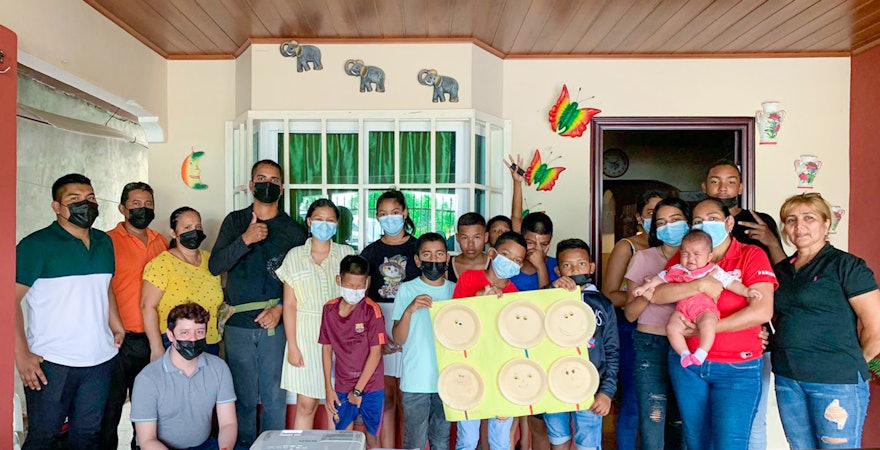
<point>663,253</point>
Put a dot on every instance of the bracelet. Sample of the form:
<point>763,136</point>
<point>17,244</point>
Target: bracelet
<point>357,393</point>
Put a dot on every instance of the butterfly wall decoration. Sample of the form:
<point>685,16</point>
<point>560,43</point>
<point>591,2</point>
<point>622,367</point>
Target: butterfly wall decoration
<point>566,119</point>
<point>541,174</point>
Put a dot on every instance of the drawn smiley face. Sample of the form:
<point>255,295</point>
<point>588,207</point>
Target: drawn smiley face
<point>522,381</point>
<point>570,323</point>
<point>521,324</point>
<point>460,387</point>
<point>573,379</point>
<point>457,327</point>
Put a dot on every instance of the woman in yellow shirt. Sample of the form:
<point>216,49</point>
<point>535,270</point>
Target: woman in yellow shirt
<point>177,276</point>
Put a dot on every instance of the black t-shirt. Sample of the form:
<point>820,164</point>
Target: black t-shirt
<point>816,338</point>
<point>739,231</point>
<point>390,265</point>
<point>250,270</point>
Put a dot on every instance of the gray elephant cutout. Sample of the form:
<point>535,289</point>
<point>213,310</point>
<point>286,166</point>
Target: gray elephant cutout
<point>304,55</point>
<point>442,85</point>
<point>370,75</point>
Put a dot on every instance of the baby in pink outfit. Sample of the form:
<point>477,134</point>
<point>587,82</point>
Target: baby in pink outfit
<point>696,262</point>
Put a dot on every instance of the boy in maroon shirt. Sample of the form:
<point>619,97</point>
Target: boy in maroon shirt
<point>353,328</point>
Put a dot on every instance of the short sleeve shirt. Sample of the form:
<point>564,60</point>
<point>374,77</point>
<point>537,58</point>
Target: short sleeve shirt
<point>816,338</point>
<point>182,282</point>
<point>68,303</point>
<point>472,281</point>
<point>351,338</point>
<point>181,405</point>
<point>646,264</point>
<point>529,282</point>
<point>131,257</point>
<point>390,265</point>
<point>420,372</point>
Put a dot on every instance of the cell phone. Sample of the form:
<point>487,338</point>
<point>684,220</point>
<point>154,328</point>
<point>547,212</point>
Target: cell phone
<point>518,170</point>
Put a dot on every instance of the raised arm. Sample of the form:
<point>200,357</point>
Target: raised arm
<point>516,205</point>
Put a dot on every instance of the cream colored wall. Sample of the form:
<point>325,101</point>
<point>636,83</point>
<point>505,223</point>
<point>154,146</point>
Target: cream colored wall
<point>201,97</point>
<point>276,85</point>
<point>76,38</point>
<point>487,73</point>
<point>813,91</point>
<point>243,82</point>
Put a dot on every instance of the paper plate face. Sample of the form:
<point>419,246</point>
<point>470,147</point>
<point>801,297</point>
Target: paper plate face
<point>570,323</point>
<point>522,381</point>
<point>521,324</point>
<point>461,387</point>
<point>573,379</point>
<point>457,327</point>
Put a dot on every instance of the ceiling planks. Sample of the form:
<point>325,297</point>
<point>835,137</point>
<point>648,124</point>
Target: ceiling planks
<point>511,28</point>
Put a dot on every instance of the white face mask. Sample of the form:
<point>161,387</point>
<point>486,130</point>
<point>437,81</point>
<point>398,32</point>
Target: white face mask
<point>353,296</point>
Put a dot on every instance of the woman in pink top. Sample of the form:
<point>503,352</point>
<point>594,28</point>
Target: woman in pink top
<point>671,223</point>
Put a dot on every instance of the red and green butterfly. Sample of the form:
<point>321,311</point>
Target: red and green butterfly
<point>566,119</point>
<point>542,174</point>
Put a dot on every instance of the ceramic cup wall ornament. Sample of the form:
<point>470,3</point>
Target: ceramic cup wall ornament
<point>807,167</point>
<point>837,213</point>
<point>769,120</point>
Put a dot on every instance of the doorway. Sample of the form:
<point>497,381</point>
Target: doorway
<point>632,155</point>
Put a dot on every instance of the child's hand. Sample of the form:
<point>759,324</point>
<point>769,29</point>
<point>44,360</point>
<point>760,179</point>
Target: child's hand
<point>517,172</point>
<point>490,290</point>
<point>755,294</point>
<point>648,294</point>
<point>331,403</point>
<point>765,337</point>
<point>710,286</point>
<point>537,258</point>
<point>421,301</point>
<point>639,291</point>
<point>354,399</point>
<point>601,405</point>
<point>391,347</point>
<point>295,357</point>
<point>565,283</point>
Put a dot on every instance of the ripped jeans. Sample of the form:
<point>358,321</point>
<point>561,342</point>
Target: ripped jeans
<point>821,415</point>
<point>659,421</point>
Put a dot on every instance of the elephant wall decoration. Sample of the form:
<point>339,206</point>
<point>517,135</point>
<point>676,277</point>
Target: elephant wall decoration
<point>370,75</point>
<point>442,85</point>
<point>304,55</point>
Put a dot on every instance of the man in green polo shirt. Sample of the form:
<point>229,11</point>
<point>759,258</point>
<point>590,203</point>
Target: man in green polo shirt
<point>63,272</point>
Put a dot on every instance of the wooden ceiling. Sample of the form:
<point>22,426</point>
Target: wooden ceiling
<point>184,29</point>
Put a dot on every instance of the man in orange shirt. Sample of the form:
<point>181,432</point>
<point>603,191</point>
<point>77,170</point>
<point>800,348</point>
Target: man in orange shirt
<point>134,245</point>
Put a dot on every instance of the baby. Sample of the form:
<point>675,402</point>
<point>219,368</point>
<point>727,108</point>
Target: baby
<point>696,262</point>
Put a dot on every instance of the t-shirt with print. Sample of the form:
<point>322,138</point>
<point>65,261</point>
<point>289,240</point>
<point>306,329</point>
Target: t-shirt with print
<point>817,338</point>
<point>472,281</point>
<point>390,265</point>
<point>749,263</point>
<point>420,372</point>
<point>529,282</point>
<point>351,338</point>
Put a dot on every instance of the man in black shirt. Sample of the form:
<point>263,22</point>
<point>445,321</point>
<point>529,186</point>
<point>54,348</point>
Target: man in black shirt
<point>251,244</point>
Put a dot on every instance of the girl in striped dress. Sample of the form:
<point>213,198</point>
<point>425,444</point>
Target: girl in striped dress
<point>309,275</point>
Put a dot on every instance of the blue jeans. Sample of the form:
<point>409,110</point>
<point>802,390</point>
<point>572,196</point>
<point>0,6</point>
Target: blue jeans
<point>424,421</point>
<point>717,401</point>
<point>587,429</point>
<point>76,393</point>
<point>821,415</point>
<point>628,417</point>
<point>659,421</point>
<point>255,360</point>
<point>758,438</point>
<point>469,434</point>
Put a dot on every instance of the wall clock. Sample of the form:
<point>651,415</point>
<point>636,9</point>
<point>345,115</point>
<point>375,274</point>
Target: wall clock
<point>616,163</point>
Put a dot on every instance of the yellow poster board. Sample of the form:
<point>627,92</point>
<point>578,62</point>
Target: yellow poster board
<point>518,355</point>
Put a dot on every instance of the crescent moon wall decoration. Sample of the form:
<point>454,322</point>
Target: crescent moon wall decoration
<point>190,171</point>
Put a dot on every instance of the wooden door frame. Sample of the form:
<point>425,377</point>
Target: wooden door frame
<point>744,155</point>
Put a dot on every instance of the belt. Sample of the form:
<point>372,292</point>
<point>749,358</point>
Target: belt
<point>252,306</point>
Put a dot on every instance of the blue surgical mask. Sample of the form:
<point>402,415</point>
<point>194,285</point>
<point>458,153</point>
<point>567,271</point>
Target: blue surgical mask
<point>646,224</point>
<point>323,230</point>
<point>716,230</point>
<point>504,267</point>
<point>391,224</point>
<point>672,233</point>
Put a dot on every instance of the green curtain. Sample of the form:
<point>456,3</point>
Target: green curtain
<point>305,157</point>
<point>342,158</point>
<point>381,157</point>
<point>415,157</point>
<point>446,157</point>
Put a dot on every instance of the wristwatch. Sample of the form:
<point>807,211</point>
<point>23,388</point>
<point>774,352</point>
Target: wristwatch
<point>357,393</point>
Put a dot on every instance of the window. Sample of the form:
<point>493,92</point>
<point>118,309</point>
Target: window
<point>439,160</point>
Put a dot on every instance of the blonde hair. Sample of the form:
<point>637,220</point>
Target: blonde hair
<point>812,200</point>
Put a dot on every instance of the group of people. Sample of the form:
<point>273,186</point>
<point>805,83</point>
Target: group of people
<point>683,309</point>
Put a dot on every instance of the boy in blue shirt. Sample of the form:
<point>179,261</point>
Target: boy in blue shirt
<point>424,419</point>
<point>576,271</point>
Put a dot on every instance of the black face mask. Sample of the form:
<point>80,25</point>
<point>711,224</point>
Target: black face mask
<point>582,279</point>
<point>191,349</point>
<point>732,202</point>
<point>192,239</point>
<point>267,192</point>
<point>433,270</point>
<point>83,214</point>
<point>140,218</point>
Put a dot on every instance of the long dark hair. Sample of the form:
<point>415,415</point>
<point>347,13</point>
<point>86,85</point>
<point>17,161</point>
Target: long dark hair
<point>173,221</point>
<point>674,202</point>
<point>409,227</point>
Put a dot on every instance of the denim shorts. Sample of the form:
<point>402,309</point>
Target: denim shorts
<point>587,425</point>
